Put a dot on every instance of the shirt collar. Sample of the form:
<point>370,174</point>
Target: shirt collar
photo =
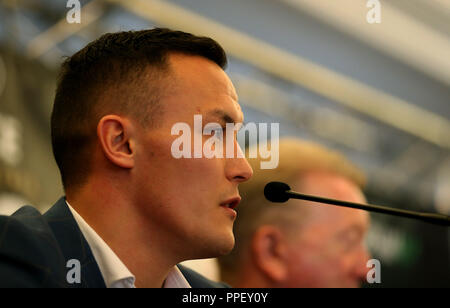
<point>175,279</point>
<point>114,272</point>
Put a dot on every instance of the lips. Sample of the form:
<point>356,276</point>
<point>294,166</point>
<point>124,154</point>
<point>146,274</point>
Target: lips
<point>231,203</point>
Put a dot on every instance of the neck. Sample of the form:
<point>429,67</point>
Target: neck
<point>116,221</point>
<point>254,282</point>
<point>250,276</point>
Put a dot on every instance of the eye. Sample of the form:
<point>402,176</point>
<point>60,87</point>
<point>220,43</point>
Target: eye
<point>350,239</point>
<point>218,133</point>
<point>218,130</point>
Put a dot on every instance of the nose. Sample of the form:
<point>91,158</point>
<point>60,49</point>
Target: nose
<point>361,269</point>
<point>238,169</point>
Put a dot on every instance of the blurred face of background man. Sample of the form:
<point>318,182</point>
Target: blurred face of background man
<point>188,195</point>
<point>300,243</point>
<point>328,249</point>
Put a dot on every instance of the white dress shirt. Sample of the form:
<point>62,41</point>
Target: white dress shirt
<point>114,272</point>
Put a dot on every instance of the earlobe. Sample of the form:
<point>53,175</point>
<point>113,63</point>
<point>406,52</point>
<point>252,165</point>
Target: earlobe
<point>269,253</point>
<point>114,133</point>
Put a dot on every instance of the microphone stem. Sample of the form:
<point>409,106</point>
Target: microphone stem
<point>428,217</point>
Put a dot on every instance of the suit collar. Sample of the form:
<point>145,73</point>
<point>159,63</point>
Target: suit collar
<point>73,244</point>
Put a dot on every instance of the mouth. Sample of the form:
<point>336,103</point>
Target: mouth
<point>231,203</point>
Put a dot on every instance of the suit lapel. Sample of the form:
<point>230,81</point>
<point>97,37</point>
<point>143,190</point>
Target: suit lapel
<point>73,244</point>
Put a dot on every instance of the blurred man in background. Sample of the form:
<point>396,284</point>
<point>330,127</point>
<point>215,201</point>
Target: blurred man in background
<point>301,243</point>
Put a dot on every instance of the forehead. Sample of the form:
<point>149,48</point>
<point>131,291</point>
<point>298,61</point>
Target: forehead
<point>197,71</point>
<point>333,186</point>
<point>330,185</point>
<point>202,85</point>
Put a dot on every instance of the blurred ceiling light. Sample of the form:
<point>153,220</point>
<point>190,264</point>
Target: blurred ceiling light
<point>62,30</point>
<point>333,125</point>
<point>409,40</point>
<point>440,4</point>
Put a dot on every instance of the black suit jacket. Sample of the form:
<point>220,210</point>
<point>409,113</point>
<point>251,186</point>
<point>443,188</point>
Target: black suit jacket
<point>35,248</point>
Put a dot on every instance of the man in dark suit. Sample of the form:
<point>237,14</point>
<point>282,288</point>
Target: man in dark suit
<point>133,208</point>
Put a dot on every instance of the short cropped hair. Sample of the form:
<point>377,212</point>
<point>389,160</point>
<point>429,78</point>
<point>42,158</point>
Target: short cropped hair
<point>123,73</point>
<point>296,158</point>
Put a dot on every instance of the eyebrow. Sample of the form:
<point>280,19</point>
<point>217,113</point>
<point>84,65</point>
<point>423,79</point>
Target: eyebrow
<point>353,228</point>
<point>224,116</point>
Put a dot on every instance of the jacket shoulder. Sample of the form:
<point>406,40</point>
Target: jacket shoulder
<point>28,250</point>
<point>199,281</point>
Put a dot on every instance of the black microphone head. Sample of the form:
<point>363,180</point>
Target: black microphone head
<point>276,192</point>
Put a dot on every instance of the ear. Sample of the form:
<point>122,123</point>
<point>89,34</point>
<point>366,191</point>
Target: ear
<point>114,133</point>
<point>269,252</point>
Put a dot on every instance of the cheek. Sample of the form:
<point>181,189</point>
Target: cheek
<point>199,178</point>
<point>184,185</point>
<point>315,265</point>
<point>305,268</point>
<point>192,187</point>
<point>165,167</point>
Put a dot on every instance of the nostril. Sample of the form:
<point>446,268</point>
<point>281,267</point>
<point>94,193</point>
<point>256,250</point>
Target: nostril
<point>238,170</point>
<point>240,178</point>
<point>244,176</point>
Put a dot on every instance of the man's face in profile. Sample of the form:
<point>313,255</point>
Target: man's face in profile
<point>185,197</point>
<point>329,250</point>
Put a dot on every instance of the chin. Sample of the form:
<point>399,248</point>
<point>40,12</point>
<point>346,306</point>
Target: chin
<point>227,249</point>
<point>220,246</point>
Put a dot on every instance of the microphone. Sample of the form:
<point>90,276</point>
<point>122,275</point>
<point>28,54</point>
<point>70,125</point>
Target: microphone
<point>281,192</point>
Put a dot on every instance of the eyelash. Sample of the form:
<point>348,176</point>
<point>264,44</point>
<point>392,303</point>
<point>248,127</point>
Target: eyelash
<point>219,129</point>
<point>223,128</point>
